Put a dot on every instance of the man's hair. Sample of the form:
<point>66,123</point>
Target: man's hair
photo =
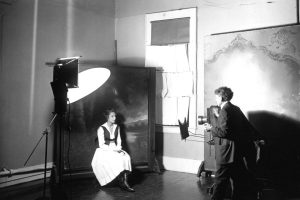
<point>224,92</point>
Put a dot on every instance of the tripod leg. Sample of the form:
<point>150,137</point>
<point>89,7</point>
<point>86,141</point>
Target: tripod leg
<point>33,150</point>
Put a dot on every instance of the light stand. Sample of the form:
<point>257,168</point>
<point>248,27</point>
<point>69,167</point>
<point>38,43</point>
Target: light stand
<point>45,132</point>
<point>60,91</point>
<point>65,75</point>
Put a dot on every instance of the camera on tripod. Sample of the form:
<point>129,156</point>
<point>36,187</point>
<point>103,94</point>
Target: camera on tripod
<point>211,118</point>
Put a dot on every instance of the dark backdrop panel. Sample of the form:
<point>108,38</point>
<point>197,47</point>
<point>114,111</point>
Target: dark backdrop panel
<point>127,90</point>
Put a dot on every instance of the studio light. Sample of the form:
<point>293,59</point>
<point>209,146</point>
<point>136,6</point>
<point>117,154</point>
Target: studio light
<point>65,75</point>
<point>88,81</point>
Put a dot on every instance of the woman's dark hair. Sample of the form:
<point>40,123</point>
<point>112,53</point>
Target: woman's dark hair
<point>224,92</point>
<point>107,112</point>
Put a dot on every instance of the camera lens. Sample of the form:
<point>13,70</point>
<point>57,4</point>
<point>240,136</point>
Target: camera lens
<point>202,120</point>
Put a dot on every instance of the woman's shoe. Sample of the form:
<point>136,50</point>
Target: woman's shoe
<point>123,180</point>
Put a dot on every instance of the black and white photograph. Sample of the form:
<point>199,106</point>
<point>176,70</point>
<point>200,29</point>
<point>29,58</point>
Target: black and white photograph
<point>149,99</point>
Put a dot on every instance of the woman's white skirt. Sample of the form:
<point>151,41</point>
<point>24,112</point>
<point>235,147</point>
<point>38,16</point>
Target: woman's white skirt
<point>107,165</point>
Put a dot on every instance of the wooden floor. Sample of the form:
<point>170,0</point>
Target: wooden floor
<point>148,186</point>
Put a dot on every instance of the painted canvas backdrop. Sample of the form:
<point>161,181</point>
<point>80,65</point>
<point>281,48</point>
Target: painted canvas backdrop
<point>261,66</point>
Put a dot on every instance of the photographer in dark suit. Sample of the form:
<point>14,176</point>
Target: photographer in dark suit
<point>235,151</point>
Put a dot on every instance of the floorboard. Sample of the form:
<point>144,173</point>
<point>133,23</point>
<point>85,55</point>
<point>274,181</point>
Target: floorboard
<point>168,185</point>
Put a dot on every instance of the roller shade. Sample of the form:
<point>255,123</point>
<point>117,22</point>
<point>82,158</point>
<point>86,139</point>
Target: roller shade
<point>172,31</point>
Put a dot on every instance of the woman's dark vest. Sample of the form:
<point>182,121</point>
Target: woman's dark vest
<point>107,135</point>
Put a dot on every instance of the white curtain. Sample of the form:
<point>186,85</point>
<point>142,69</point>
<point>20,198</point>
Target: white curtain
<point>175,82</point>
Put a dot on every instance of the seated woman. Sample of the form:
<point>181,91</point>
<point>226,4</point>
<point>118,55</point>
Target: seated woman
<point>110,161</point>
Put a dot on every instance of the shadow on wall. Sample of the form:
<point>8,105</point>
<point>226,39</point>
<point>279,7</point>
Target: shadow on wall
<point>281,154</point>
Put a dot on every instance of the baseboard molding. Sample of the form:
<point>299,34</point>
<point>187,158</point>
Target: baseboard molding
<point>181,164</point>
<point>31,173</point>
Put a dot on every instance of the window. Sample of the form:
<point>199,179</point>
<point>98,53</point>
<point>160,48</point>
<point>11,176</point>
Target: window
<point>171,48</point>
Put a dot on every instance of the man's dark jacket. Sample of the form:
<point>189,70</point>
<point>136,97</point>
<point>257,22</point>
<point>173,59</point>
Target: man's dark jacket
<point>233,135</point>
